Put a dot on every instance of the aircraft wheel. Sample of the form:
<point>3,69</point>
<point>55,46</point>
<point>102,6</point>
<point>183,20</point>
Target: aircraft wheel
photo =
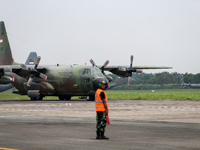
<point>64,97</point>
<point>40,97</point>
<point>33,98</point>
<point>90,98</point>
<point>61,98</point>
<point>36,98</point>
<point>67,97</point>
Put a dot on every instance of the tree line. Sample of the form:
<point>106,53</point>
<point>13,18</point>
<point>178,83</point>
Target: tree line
<point>157,80</point>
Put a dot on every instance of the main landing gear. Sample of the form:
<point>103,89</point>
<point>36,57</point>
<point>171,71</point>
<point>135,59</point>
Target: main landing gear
<point>90,98</point>
<point>64,97</point>
<point>37,98</point>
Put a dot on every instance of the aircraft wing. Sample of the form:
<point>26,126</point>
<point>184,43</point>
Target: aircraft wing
<point>19,70</point>
<point>124,71</point>
<point>151,67</point>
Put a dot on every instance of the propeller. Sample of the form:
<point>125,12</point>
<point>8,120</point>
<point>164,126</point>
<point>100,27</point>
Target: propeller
<point>102,68</point>
<point>34,72</point>
<point>128,70</point>
<point>93,63</point>
<point>105,64</point>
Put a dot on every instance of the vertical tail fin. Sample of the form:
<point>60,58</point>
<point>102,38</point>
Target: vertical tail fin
<point>31,60</point>
<point>5,51</point>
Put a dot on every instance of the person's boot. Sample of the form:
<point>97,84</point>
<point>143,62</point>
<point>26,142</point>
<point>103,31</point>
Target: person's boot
<point>98,135</point>
<point>103,137</point>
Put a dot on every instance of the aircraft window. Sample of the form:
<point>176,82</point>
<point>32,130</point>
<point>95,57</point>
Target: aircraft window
<point>96,71</point>
<point>86,71</point>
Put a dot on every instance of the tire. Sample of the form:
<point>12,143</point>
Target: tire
<point>68,98</point>
<point>90,98</point>
<point>40,97</point>
<point>36,98</point>
<point>64,98</point>
<point>33,98</point>
<point>61,98</point>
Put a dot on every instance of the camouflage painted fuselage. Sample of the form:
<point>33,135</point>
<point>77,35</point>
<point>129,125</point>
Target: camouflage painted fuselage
<point>75,80</point>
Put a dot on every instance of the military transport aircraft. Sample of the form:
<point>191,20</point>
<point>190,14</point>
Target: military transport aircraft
<point>189,85</point>
<point>63,81</point>
<point>186,85</point>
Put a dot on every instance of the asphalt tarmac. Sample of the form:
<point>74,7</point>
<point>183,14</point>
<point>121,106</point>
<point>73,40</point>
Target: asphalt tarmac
<point>63,125</point>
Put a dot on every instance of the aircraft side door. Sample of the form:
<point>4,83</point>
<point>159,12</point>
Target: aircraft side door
<point>86,80</point>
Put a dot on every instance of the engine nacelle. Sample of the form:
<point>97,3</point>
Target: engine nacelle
<point>139,71</point>
<point>5,79</point>
<point>44,87</point>
<point>33,93</point>
<point>109,78</point>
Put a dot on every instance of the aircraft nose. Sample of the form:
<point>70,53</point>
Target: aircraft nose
<point>96,83</point>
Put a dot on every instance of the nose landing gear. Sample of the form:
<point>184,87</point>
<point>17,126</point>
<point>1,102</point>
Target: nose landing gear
<point>90,98</point>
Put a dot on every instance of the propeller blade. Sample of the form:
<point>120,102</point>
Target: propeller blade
<point>43,76</point>
<point>24,66</point>
<point>29,82</point>
<point>92,62</point>
<point>37,62</point>
<point>129,80</point>
<point>131,61</point>
<point>106,63</point>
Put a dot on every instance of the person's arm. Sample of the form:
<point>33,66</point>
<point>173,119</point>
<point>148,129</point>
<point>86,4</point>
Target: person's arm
<point>104,102</point>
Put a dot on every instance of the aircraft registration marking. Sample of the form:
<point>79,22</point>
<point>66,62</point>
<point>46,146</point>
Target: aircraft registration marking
<point>1,148</point>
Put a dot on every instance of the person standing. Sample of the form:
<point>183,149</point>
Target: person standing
<point>101,110</point>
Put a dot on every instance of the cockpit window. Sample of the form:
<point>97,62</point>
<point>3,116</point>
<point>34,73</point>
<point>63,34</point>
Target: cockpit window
<point>96,71</point>
<point>86,71</point>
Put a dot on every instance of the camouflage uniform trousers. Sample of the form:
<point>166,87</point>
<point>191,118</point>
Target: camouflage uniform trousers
<point>101,121</point>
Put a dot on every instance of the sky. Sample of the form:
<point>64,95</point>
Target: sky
<point>66,32</point>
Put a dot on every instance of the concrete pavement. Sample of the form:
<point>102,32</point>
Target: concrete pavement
<point>50,125</point>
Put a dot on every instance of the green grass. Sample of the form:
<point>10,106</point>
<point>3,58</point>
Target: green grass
<point>9,95</point>
<point>176,94</point>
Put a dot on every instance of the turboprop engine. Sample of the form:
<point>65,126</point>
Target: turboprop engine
<point>109,78</point>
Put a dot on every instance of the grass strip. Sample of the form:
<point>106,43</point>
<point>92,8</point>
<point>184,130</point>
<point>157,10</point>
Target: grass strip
<point>172,94</point>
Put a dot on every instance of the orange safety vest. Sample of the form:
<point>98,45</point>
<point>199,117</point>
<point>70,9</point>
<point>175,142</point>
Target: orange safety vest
<point>99,102</point>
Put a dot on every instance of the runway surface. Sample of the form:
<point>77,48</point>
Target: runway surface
<point>135,124</point>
